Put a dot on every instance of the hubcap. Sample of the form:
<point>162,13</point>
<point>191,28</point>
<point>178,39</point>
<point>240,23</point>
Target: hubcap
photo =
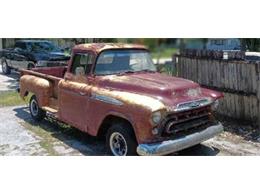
<point>34,108</point>
<point>118,144</point>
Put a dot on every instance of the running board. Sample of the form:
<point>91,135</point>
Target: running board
<point>49,109</point>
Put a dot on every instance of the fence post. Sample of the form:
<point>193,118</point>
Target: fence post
<point>258,93</point>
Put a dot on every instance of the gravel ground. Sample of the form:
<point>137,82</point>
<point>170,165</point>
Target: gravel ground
<point>8,82</point>
<point>19,135</point>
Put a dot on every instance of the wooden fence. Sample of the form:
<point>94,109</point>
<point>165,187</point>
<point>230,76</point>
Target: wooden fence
<point>238,80</point>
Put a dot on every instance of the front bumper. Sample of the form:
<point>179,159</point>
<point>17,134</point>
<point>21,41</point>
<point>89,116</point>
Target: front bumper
<point>171,146</point>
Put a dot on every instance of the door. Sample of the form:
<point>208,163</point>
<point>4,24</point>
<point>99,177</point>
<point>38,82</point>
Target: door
<point>74,92</point>
<point>20,60</point>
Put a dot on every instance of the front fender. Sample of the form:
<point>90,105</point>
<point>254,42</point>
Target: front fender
<point>135,108</point>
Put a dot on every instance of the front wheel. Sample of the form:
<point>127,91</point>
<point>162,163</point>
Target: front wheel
<point>30,66</point>
<point>5,68</point>
<point>120,140</point>
<point>36,112</point>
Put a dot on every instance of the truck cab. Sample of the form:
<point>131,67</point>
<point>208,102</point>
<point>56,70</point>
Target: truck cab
<point>114,90</point>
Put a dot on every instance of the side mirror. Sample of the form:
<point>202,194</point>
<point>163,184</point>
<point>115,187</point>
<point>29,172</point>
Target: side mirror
<point>79,71</point>
<point>17,49</point>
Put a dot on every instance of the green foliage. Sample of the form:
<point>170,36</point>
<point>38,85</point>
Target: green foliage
<point>251,44</point>
<point>164,52</point>
<point>166,69</point>
<point>11,98</point>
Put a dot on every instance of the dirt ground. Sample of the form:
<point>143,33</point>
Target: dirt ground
<point>19,135</point>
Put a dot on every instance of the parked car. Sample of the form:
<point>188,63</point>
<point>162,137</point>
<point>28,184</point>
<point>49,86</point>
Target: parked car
<point>28,54</point>
<point>114,90</point>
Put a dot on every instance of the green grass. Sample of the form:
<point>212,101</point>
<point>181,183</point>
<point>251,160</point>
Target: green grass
<point>11,98</point>
<point>164,53</point>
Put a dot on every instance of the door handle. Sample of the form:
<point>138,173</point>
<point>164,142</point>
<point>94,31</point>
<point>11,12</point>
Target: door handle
<point>82,93</point>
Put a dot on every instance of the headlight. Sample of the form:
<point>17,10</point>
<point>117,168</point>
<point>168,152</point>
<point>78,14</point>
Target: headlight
<point>215,104</point>
<point>156,117</point>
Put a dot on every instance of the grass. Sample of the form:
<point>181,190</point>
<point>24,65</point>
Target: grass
<point>11,98</point>
<point>164,52</point>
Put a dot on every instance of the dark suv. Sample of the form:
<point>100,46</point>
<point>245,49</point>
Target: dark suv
<point>28,54</point>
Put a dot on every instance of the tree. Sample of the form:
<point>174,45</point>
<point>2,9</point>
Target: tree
<point>250,44</point>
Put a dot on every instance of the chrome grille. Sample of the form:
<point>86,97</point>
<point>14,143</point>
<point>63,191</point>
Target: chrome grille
<point>186,120</point>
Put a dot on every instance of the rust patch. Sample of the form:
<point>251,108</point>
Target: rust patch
<point>40,87</point>
<point>99,47</point>
<point>147,102</point>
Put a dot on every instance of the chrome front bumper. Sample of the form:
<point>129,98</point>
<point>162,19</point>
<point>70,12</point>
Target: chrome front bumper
<point>171,146</point>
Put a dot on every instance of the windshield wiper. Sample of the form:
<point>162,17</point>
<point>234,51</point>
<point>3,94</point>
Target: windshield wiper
<point>147,70</point>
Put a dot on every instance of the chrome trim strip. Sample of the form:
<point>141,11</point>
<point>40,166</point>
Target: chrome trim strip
<point>192,105</point>
<point>171,146</point>
<point>106,99</point>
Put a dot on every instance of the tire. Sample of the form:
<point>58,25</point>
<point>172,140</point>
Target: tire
<point>36,112</point>
<point>30,66</point>
<point>5,68</point>
<point>120,140</point>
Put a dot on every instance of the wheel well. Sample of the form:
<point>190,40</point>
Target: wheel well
<point>30,64</point>
<point>108,121</point>
<point>26,93</point>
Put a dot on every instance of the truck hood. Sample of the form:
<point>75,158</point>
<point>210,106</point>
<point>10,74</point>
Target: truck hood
<point>169,90</point>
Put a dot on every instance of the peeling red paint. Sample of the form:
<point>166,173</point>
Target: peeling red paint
<point>85,101</point>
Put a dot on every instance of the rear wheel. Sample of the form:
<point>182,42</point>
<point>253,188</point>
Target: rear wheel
<point>120,140</point>
<point>5,68</point>
<point>36,112</point>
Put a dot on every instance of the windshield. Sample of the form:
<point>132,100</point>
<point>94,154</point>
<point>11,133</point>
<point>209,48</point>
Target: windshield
<point>122,61</point>
<point>43,47</point>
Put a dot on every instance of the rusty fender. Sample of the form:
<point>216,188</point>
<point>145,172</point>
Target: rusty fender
<point>136,108</point>
<point>127,98</point>
<point>38,86</point>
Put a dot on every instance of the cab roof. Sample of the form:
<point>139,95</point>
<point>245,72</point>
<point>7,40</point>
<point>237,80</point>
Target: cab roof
<point>99,47</point>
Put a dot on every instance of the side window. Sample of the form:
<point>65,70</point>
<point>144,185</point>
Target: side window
<point>82,64</point>
<point>20,45</point>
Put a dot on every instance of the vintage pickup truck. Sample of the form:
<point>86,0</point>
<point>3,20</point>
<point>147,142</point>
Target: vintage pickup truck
<point>27,54</point>
<point>114,90</point>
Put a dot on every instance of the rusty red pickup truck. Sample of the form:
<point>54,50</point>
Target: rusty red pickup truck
<point>114,90</point>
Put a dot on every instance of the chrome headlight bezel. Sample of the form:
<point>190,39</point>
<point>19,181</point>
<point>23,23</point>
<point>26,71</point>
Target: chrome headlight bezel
<point>156,117</point>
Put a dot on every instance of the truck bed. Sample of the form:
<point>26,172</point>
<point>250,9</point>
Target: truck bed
<point>42,75</point>
<point>58,71</point>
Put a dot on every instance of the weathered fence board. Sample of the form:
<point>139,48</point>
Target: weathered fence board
<point>238,80</point>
